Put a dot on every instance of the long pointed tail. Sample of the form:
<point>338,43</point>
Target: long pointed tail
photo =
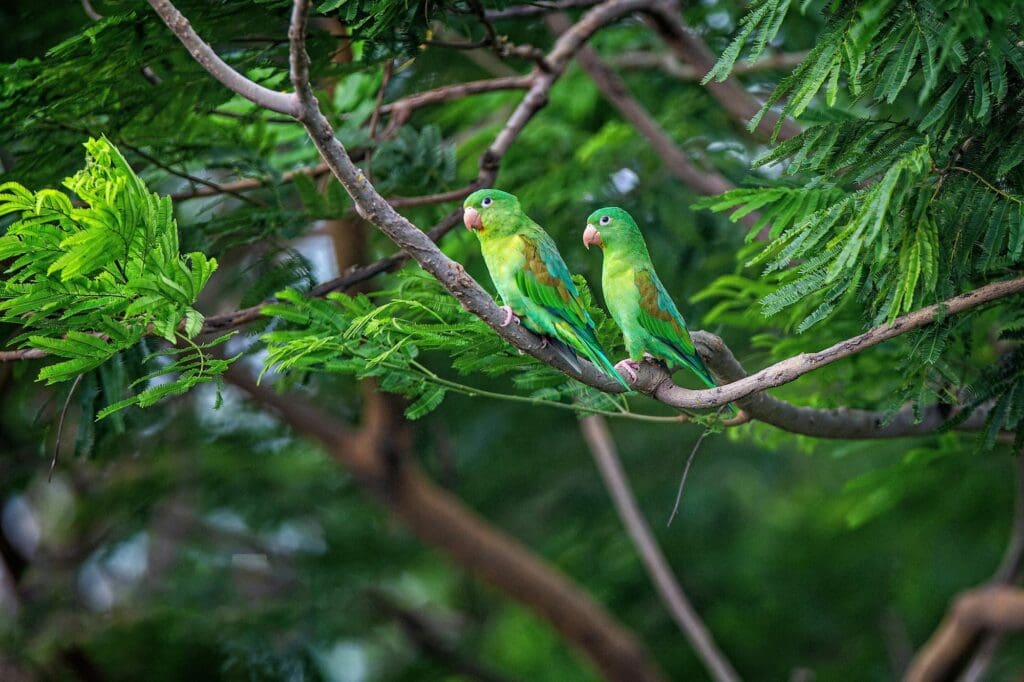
<point>584,342</point>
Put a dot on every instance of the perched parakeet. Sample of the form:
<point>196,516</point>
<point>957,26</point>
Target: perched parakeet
<point>532,278</point>
<point>636,298</point>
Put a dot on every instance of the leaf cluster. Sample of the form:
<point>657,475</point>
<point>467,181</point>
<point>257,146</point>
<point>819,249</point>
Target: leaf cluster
<point>89,274</point>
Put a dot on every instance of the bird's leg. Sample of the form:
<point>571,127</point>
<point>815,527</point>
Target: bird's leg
<point>628,367</point>
<point>509,315</point>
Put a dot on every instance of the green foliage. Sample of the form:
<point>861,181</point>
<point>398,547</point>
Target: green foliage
<point>418,161</point>
<point>899,202</point>
<point>958,50</point>
<point>386,335</point>
<point>88,281</point>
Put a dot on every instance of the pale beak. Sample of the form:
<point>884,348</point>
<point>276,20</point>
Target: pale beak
<point>592,237</point>
<point>471,217</point>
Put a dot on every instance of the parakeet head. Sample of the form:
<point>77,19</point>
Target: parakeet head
<point>613,229</point>
<point>491,211</point>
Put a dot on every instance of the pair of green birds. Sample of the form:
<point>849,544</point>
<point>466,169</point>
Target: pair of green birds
<point>538,291</point>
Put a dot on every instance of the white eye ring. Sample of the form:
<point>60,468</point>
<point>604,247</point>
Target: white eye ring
<point>605,220</point>
<point>487,201</point>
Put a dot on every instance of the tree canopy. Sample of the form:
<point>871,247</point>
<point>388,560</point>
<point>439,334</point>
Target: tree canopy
<point>261,417</point>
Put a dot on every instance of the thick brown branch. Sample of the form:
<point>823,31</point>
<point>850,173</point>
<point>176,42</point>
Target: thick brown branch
<point>374,456</point>
<point>946,656</point>
<point>280,102</point>
<point>602,447</point>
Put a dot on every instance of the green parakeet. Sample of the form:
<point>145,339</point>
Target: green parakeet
<point>636,298</point>
<point>531,277</point>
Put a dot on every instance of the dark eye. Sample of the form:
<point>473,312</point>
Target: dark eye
<point>487,201</point>
<point>605,220</point>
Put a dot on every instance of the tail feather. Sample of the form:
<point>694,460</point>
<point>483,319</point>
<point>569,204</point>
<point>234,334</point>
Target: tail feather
<point>586,344</point>
<point>566,353</point>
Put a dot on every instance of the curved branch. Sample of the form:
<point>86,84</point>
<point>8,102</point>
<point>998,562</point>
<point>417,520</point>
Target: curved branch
<point>995,609</point>
<point>282,103</point>
<point>602,447</point>
<point>792,368</point>
<point>400,110</point>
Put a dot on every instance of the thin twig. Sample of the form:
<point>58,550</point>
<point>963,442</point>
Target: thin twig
<point>213,187</point>
<point>602,447</point>
<point>537,8</point>
<point>60,424</point>
<point>686,472</point>
<point>439,198</point>
<point>247,184</point>
<point>375,116</point>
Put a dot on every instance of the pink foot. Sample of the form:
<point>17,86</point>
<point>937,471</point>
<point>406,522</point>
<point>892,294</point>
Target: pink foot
<point>628,367</point>
<point>509,316</point>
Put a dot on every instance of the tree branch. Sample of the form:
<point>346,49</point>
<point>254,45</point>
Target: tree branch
<point>400,110</point>
<point>602,447</point>
<point>730,93</point>
<point>374,455</point>
<point>280,102</point>
<point>951,650</point>
<point>994,608</point>
<point>250,183</point>
<point>792,368</point>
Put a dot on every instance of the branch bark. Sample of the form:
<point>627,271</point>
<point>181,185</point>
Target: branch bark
<point>602,447</point>
<point>374,455</point>
<point>282,103</point>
